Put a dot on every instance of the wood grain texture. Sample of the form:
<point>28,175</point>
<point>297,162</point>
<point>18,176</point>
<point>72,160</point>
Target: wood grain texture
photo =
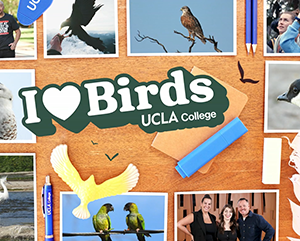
<point>239,167</point>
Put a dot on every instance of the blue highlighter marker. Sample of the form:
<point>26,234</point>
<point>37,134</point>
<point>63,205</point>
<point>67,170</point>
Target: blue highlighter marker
<point>192,162</point>
<point>31,10</point>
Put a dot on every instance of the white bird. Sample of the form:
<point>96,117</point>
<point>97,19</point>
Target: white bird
<point>88,190</point>
<point>4,195</point>
<point>8,125</point>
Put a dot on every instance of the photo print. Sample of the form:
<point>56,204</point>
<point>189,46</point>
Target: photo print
<point>96,35</point>
<point>281,35</point>
<point>282,112</point>
<point>262,202</point>
<point>18,197</point>
<point>151,206</point>
<point>162,27</point>
<point>11,30</point>
<point>12,129</point>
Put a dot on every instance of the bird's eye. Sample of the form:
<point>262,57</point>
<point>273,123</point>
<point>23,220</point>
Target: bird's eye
<point>295,90</point>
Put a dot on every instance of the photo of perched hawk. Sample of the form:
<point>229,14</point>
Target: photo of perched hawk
<point>8,125</point>
<point>191,23</point>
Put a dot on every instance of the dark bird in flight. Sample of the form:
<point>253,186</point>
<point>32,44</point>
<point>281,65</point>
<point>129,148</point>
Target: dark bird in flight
<point>242,75</point>
<point>292,95</point>
<point>82,13</point>
<point>191,23</point>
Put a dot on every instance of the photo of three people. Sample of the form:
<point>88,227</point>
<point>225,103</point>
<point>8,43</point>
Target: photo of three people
<point>246,215</point>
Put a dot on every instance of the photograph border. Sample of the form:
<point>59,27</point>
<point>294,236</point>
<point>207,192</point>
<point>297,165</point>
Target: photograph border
<point>266,103</point>
<point>228,191</point>
<point>162,194</point>
<point>32,72</point>
<point>115,55</point>
<point>34,187</point>
<point>265,29</point>
<point>233,53</point>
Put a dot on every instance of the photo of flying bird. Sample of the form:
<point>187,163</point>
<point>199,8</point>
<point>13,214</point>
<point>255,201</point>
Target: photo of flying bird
<point>292,95</point>
<point>102,223</point>
<point>83,12</point>
<point>191,23</point>
<point>8,125</point>
<point>135,220</point>
<point>88,190</point>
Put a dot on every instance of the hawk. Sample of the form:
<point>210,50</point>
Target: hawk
<point>191,23</point>
<point>8,125</point>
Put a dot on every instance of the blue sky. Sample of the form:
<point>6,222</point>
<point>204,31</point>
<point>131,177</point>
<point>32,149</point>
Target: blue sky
<point>159,19</point>
<point>152,207</point>
<point>15,80</point>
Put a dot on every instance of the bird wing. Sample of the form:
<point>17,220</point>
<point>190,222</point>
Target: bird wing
<point>197,26</point>
<point>84,11</point>
<point>241,70</point>
<point>96,43</point>
<point>109,223</point>
<point>119,184</point>
<point>127,220</point>
<point>141,222</point>
<point>64,168</point>
<point>95,223</point>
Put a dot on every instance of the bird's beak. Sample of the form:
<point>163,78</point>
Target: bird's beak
<point>283,97</point>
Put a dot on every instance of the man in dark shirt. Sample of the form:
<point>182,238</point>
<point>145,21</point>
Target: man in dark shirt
<point>8,43</point>
<point>251,224</point>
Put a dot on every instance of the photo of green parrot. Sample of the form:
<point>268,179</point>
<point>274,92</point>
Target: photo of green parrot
<point>135,220</point>
<point>102,223</point>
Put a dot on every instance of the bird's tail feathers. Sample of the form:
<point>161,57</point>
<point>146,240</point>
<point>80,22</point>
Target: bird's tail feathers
<point>141,237</point>
<point>202,38</point>
<point>105,237</point>
<point>81,212</point>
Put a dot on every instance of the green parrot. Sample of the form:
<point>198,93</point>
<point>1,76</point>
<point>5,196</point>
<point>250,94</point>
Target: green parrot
<point>135,220</point>
<point>101,221</point>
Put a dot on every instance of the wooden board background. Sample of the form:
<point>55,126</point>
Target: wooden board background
<point>238,167</point>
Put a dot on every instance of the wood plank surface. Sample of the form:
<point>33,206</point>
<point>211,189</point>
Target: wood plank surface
<point>239,167</point>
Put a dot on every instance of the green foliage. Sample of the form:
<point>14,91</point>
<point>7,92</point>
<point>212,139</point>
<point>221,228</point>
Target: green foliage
<point>16,163</point>
<point>11,7</point>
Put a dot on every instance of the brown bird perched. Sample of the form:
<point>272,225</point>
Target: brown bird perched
<point>191,23</point>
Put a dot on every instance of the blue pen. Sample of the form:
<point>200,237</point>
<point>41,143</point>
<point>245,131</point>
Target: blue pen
<point>47,207</point>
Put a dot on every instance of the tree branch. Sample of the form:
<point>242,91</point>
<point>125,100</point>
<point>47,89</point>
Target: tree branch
<point>211,39</point>
<point>153,40</point>
<point>113,232</point>
<point>189,38</point>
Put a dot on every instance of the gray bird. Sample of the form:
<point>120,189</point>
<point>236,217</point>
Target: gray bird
<point>8,125</point>
<point>292,95</point>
